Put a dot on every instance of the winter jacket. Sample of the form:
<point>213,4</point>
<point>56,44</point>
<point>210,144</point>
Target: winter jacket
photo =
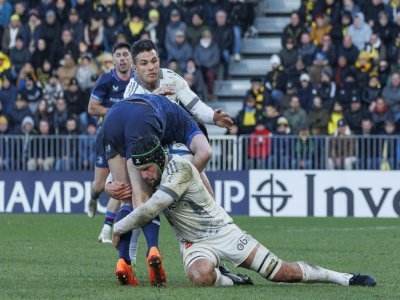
<point>360,35</point>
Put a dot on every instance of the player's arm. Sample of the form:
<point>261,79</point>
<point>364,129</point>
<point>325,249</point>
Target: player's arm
<point>198,108</point>
<point>175,184</point>
<point>95,108</point>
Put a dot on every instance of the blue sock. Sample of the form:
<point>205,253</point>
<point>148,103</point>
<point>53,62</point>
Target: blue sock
<point>123,246</point>
<point>110,217</point>
<point>150,231</point>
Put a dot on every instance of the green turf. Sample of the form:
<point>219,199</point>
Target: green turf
<point>57,256</point>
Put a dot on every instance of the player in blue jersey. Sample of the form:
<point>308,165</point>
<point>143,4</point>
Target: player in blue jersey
<point>109,89</point>
<point>125,123</point>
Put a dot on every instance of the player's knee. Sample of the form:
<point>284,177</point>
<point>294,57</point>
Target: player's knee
<point>264,262</point>
<point>201,272</point>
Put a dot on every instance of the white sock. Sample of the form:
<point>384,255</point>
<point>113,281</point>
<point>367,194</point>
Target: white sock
<point>133,245</point>
<point>316,274</point>
<point>222,280</point>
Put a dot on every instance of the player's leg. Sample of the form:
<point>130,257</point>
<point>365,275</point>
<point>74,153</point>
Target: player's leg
<point>123,271</point>
<point>269,266</point>
<point>111,212</point>
<point>201,264</point>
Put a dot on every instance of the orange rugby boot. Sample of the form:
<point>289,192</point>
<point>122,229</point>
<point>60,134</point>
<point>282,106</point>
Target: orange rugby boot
<point>157,276</point>
<point>124,273</point>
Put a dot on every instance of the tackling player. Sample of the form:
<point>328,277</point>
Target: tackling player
<point>108,90</point>
<point>206,232</point>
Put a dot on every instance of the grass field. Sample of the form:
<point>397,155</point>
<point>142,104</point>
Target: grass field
<point>58,257</point>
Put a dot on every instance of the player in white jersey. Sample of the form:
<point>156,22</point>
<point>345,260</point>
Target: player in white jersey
<point>206,231</point>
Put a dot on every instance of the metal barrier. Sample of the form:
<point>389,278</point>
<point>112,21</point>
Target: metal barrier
<point>231,153</point>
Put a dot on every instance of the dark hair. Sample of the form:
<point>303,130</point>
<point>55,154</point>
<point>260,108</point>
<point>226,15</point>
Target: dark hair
<point>142,46</point>
<point>120,46</point>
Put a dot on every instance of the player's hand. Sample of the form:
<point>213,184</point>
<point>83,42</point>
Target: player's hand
<point>165,91</point>
<point>222,119</point>
<point>116,239</point>
<point>118,190</point>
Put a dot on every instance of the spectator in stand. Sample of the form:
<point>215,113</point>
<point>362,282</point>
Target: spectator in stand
<point>69,147</point>
<point>391,94</point>
<point>62,9</point>
<point>296,70</point>
<point>52,91</point>
<point>307,11</point>
<point>20,111</point>
<point>211,7</point>
<point>341,148</point>
<point>319,28</point>
<point>5,64</point>
<point>331,9</point>
<point>6,10</point>
<point>293,30</point>
<point>380,113</point>
<point>206,56</point>
<point>173,65</point>
<point>32,30</point>
<point>318,117</point>
<point>371,92</point>
<point>156,32</point>
<point>42,114</point>
<point>5,149</point>
<point>258,147</point>
<point>189,8</point>
<point>270,117</point>
<point>173,26</point>
<point>223,33</point>
<point>275,81</point>
<point>305,91</point>
<point>351,7</point>
<point>198,79</point>
<point>247,118</point>
<point>336,115</point>
<point>383,28</point>
<point>11,31</point>
<point>341,71</point>
<point>291,90</point>
<point>198,87</point>
<point>363,67</point>
<point>388,156</point>
<point>41,53</point>
<point>392,8</point>
<point>376,49</point>
<point>195,29</point>
<point>32,93</point>
<point>8,94</point>
<point>60,116</point>
<point>320,63</point>
<point>327,88</point>
<point>67,70</point>
<point>288,53</point>
<point>20,8</point>
<point>180,50</point>
<point>328,49</point>
<point>43,149</point>
<point>75,26</point>
<point>19,55</point>
<point>85,71</point>
<point>306,155</point>
<point>142,9</point>
<point>84,10</point>
<point>282,153</point>
<point>165,9</point>
<point>257,91</point>
<point>50,30</point>
<point>348,50</point>
<point>349,89</point>
<point>295,115</point>
<point>356,114</point>
<point>341,29</point>
<point>360,31</point>
<point>383,72</point>
<point>371,9</point>
<point>134,28</point>
<point>62,46</point>
<point>394,50</point>
<point>87,146</point>
<point>367,147</point>
<point>396,27</point>
<point>237,15</point>
<point>111,31</point>
<point>94,34</point>
<point>306,49</point>
<point>77,102</point>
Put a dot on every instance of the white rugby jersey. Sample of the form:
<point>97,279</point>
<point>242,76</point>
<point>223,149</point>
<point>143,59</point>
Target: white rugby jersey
<point>194,215</point>
<point>183,94</point>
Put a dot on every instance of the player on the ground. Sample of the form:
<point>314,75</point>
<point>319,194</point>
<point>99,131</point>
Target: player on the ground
<point>108,90</point>
<point>206,232</point>
<point>126,121</point>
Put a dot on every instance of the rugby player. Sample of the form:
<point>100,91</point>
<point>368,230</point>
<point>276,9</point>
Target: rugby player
<point>108,90</point>
<point>206,232</point>
<point>126,121</point>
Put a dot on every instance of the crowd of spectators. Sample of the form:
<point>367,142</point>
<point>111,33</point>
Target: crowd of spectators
<point>338,74</point>
<point>53,51</point>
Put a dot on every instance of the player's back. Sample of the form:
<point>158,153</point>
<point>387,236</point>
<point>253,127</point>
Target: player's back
<point>195,215</point>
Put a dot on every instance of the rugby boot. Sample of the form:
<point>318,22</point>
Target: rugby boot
<point>157,276</point>
<point>105,234</point>
<point>124,273</point>
<point>238,279</point>
<point>362,280</point>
